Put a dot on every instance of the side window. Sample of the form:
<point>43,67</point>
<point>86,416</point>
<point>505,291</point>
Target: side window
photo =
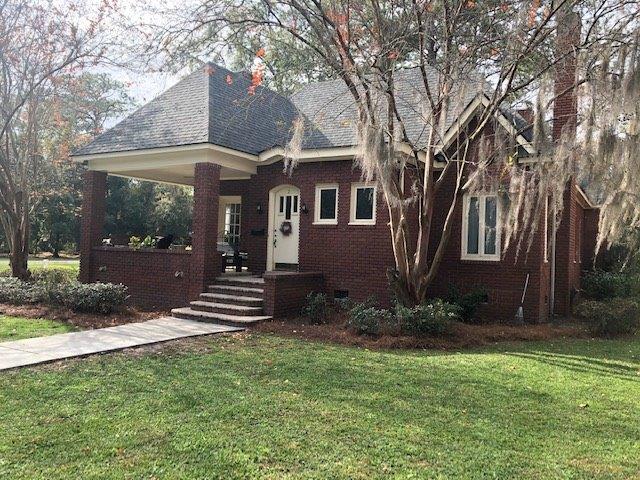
<point>480,229</point>
<point>326,204</point>
<point>232,223</point>
<point>363,204</point>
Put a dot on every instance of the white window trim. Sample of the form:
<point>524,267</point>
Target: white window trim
<point>316,215</point>
<point>465,229</point>
<point>352,214</point>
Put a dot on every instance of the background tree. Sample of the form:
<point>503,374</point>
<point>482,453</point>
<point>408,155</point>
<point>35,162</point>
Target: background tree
<point>141,208</point>
<point>78,111</point>
<point>502,50</point>
<point>40,44</point>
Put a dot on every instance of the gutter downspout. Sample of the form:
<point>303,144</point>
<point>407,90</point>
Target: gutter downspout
<point>552,283</point>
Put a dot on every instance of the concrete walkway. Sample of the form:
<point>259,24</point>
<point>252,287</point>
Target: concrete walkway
<point>32,351</point>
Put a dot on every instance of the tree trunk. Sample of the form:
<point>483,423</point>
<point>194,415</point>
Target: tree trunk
<point>400,288</point>
<point>18,236</point>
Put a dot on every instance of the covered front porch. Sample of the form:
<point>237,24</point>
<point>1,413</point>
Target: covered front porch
<point>222,195</point>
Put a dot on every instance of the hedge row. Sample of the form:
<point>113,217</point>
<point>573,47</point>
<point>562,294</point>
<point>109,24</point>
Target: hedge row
<point>101,298</point>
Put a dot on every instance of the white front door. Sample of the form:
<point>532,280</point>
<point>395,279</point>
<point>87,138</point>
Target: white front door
<point>286,226</point>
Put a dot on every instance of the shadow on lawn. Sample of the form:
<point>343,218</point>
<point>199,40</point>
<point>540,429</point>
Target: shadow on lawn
<point>584,364</point>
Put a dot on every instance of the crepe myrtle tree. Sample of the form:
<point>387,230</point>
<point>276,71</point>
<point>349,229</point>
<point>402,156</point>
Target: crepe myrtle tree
<point>497,52</point>
<point>41,43</point>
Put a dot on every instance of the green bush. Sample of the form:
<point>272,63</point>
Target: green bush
<point>468,302</point>
<point>365,319</point>
<point>316,308</point>
<point>600,285</point>
<point>433,318</point>
<point>101,298</point>
<point>16,292</point>
<point>54,275</point>
<point>89,298</point>
<point>615,316</point>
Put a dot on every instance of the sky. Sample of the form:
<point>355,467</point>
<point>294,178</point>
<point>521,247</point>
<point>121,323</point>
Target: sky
<point>143,84</point>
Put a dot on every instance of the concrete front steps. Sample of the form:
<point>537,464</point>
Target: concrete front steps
<point>235,300</point>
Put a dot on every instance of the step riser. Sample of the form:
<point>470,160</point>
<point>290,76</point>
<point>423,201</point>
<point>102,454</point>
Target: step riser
<point>227,311</point>
<point>239,292</point>
<point>239,283</point>
<point>248,302</point>
<point>186,316</point>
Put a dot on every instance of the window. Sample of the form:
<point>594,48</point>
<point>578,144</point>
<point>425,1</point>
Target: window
<point>480,232</point>
<point>326,207</point>
<point>232,223</point>
<point>363,204</point>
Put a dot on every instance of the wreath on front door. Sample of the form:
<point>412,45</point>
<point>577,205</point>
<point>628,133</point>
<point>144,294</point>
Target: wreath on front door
<point>286,228</point>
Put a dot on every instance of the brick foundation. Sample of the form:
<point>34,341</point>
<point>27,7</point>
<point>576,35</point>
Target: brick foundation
<point>285,292</point>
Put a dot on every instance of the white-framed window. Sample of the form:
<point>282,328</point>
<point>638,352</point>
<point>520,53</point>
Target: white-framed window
<point>232,223</point>
<point>363,204</point>
<point>480,228</point>
<point>326,204</point>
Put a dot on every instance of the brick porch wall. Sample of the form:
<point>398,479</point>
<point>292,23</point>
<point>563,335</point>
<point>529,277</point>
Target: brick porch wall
<point>285,292</point>
<point>93,214</point>
<point>157,279</point>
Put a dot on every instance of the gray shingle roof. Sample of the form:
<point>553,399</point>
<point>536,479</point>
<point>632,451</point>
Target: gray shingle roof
<point>213,105</point>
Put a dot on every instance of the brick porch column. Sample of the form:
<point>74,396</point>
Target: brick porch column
<point>93,211</point>
<point>205,260</point>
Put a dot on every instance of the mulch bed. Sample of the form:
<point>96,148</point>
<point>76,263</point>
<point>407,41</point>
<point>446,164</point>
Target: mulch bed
<point>462,335</point>
<point>81,320</point>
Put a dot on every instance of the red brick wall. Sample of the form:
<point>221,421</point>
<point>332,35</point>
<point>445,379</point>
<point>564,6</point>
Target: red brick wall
<point>93,213</point>
<point>589,237</point>
<point>206,262</point>
<point>503,280</point>
<point>155,278</point>
<point>285,292</point>
<point>353,258</point>
<point>568,252</point>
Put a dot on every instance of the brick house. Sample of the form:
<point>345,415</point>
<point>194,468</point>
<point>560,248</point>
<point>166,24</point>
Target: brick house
<point>319,228</point>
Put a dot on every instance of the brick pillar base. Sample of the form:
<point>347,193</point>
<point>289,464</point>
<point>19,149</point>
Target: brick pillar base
<point>205,259</point>
<point>93,212</point>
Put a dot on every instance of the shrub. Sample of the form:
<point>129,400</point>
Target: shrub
<point>317,308</point>
<point>90,298</point>
<point>433,318</point>
<point>600,285</point>
<point>610,317</point>
<point>365,319</point>
<point>467,302</point>
<point>16,292</point>
<point>101,298</point>
<point>54,275</point>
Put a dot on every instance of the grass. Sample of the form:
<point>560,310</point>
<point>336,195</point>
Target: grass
<point>35,264</point>
<point>261,406</point>
<point>16,328</point>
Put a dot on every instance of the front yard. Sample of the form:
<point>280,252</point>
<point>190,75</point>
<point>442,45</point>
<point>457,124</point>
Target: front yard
<point>17,328</point>
<point>259,405</point>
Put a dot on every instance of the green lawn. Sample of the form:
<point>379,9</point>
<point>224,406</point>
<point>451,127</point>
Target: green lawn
<point>35,264</point>
<point>260,406</point>
<point>15,328</point>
